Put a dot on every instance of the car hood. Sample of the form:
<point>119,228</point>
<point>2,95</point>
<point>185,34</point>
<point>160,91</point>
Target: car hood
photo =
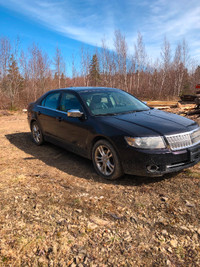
<point>153,121</point>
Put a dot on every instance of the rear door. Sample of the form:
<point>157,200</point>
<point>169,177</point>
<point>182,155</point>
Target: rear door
<point>48,114</point>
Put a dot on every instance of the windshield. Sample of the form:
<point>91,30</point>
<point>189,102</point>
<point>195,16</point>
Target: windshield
<point>112,102</point>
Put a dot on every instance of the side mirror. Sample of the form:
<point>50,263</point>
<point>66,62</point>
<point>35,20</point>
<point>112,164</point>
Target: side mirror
<point>74,113</point>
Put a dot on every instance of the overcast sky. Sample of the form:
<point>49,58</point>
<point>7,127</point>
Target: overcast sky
<point>69,24</point>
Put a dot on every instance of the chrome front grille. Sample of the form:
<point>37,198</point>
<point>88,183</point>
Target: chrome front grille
<point>183,140</point>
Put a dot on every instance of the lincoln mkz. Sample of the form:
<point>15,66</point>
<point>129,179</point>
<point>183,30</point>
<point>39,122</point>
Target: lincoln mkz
<point>118,132</point>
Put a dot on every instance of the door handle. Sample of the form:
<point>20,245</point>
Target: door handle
<point>59,118</point>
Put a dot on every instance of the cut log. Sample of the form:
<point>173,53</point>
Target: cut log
<point>179,105</point>
<point>163,107</point>
<point>162,103</point>
<point>187,108</point>
<point>194,112</point>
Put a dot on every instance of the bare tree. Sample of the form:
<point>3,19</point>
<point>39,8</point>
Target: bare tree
<point>85,65</point>
<point>16,48</point>
<point>165,64</point>
<point>5,53</point>
<point>59,65</point>
<point>74,71</point>
<point>181,59</point>
<point>104,63</point>
<point>121,58</point>
<point>108,68</point>
<point>140,58</point>
<point>38,70</point>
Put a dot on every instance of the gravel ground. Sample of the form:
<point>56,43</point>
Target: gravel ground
<point>56,211</point>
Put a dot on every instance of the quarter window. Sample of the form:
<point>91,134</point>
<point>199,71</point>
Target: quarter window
<point>51,101</point>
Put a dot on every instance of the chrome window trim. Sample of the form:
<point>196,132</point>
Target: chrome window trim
<point>49,108</point>
<point>64,112</point>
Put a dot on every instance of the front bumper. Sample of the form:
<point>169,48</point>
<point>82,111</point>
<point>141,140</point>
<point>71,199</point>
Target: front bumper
<point>156,163</point>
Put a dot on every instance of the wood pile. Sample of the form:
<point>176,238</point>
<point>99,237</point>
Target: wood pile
<point>162,104</point>
<point>183,107</point>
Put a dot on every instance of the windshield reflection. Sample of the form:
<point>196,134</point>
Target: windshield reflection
<point>112,103</point>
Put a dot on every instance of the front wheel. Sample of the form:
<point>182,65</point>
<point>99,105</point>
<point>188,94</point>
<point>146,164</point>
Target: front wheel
<point>106,161</point>
<point>37,134</point>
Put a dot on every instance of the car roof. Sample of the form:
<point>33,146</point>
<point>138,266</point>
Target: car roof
<point>90,88</point>
<point>79,90</point>
<point>82,89</point>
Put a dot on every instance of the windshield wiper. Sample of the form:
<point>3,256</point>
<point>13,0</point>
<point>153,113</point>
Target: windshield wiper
<point>107,114</point>
<point>142,110</point>
<point>133,111</point>
<point>118,113</point>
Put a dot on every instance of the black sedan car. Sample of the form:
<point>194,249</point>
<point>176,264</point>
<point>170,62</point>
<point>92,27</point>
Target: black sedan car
<point>118,132</point>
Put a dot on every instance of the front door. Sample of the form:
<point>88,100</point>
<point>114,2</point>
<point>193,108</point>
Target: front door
<point>72,131</point>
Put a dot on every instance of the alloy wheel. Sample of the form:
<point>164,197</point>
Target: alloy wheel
<point>104,160</point>
<point>36,133</point>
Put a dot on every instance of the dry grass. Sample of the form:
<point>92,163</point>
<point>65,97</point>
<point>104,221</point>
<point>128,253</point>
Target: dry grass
<point>56,211</point>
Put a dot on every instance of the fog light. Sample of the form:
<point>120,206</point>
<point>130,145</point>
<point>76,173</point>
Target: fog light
<point>152,168</point>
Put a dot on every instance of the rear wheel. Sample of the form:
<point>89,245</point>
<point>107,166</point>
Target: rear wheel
<point>106,161</point>
<point>37,134</point>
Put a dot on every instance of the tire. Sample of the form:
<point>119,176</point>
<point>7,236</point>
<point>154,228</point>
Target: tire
<point>106,161</point>
<point>37,135</point>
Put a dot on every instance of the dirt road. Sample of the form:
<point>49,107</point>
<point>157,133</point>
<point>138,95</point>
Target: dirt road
<point>56,211</point>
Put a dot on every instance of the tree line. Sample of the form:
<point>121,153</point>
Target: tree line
<point>25,75</point>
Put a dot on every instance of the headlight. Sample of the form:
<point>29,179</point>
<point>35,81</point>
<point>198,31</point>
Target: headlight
<point>156,142</point>
<point>195,136</point>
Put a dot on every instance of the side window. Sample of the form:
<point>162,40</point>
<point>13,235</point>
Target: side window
<point>69,101</point>
<point>51,101</point>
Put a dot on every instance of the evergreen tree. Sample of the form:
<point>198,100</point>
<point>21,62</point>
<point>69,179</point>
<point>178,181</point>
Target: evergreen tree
<point>14,81</point>
<point>94,73</point>
<point>62,80</point>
